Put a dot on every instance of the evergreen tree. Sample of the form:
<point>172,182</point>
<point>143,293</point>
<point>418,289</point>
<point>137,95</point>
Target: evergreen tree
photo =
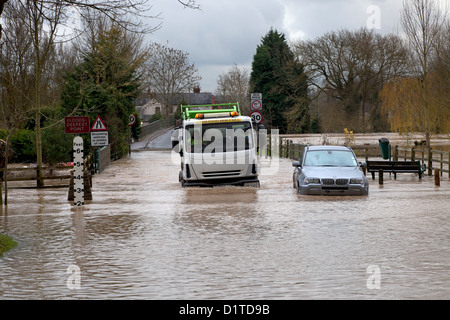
<point>106,83</point>
<point>279,76</point>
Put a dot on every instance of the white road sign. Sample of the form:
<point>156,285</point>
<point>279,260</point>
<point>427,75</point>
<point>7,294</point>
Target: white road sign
<point>255,101</point>
<point>99,138</point>
<point>255,96</point>
<point>256,116</point>
<point>256,105</point>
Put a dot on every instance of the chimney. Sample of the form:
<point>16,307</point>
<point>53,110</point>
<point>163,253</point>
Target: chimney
<point>196,89</point>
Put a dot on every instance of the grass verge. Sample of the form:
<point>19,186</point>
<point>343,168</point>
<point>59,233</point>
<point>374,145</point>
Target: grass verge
<point>6,243</point>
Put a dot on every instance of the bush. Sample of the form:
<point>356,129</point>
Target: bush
<point>157,116</point>
<point>57,145</point>
<point>22,145</point>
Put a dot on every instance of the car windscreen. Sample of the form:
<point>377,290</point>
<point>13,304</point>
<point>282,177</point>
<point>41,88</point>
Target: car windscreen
<point>333,158</point>
<point>219,137</point>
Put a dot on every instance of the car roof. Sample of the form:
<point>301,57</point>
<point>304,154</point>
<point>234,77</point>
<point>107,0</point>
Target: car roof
<point>326,147</point>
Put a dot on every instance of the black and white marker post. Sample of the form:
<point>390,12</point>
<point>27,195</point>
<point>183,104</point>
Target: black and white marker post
<point>78,174</point>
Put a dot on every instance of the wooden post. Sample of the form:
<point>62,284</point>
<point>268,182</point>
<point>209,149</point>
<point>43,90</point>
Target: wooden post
<point>396,153</point>
<point>437,181</point>
<point>430,161</point>
<point>413,154</point>
<point>380,176</point>
<point>1,195</point>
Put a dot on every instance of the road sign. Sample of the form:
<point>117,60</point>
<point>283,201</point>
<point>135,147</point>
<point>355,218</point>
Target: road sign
<point>255,96</point>
<point>76,124</point>
<point>99,138</point>
<point>98,125</point>
<point>256,105</point>
<point>256,101</point>
<point>256,116</point>
<point>131,119</point>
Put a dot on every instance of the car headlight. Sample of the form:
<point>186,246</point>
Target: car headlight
<point>312,180</point>
<point>357,181</point>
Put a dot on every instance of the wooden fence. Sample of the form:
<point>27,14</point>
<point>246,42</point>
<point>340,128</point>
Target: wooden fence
<point>434,159</point>
<point>58,174</point>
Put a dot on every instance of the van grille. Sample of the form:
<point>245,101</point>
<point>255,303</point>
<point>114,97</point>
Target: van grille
<point>221,173</point>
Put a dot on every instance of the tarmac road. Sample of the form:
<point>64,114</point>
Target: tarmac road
<point>159,140</point>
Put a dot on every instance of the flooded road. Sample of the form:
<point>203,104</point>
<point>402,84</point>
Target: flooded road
<point>145,237</point>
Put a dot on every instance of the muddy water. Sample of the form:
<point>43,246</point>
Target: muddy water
<point>144,237</point>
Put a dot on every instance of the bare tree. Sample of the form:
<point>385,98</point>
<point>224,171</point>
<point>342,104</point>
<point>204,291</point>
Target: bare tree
<point>423,22</point>
<point>234,86</point>
<point>169,72</point>
<point>119,11</point>
<point>420,103</point>
<point>351,66</point>
<point>16,82</point>
<point>2,6</point>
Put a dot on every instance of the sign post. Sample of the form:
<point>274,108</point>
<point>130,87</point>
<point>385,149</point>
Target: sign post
<point>78,174</point>
<point>132,119</point>
<point>76,125</point>
<point>256,116</point>
<point>256,101</point>
<point>99,133</point>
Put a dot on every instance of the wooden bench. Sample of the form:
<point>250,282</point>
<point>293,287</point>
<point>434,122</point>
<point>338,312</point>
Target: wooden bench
<point>395,167</point>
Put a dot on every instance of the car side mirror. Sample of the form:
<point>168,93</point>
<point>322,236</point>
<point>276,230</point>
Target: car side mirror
<point>363,164</point>
<point>296,164</point>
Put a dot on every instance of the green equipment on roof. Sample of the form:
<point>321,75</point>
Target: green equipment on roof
<point>190,111</point>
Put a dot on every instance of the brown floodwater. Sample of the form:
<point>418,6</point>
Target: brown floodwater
<point>144,237</point>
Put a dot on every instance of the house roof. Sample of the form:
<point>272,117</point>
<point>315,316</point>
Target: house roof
<point>189,98</point>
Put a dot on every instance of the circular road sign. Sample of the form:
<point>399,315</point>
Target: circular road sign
<point>256,116</point>
<point>256,105</point>
<point>132,119</point>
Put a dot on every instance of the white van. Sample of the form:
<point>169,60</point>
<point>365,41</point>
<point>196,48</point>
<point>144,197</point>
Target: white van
<point>217,145</point>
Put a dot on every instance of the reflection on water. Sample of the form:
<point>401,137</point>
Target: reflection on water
<point>143,236</point>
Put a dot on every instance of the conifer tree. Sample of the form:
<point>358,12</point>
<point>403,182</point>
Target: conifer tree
<point>107,82</point>
<point>279,76</point>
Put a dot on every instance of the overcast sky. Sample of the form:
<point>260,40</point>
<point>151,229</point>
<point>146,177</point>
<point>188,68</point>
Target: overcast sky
<point>227,32</point>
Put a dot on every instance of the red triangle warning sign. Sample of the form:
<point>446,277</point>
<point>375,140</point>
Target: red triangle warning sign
<point>98,125</point>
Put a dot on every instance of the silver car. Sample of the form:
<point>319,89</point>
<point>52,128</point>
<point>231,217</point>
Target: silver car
<point>332,170</point>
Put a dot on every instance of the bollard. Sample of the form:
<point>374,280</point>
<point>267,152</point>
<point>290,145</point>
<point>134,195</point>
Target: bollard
<point>380,176</point>
<point>437,178</point>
